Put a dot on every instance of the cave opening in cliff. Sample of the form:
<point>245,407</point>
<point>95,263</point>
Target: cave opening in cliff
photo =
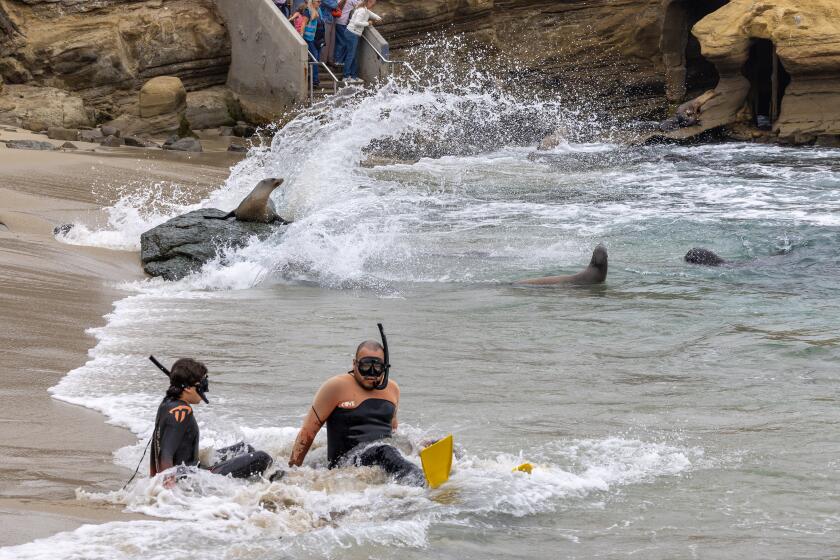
<point>768,81</point>
<point>688,72</point>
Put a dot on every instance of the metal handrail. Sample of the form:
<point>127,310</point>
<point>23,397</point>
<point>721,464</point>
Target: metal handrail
<point>312,76</point>
<point>386,61</point>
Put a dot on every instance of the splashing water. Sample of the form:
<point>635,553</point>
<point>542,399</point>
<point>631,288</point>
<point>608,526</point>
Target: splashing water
<point>629,398</point>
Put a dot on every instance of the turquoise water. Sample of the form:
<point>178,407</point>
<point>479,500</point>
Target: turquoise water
<point>674,412</point>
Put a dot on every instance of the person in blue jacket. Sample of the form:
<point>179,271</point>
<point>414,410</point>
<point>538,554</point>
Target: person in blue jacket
<point>313,34</point>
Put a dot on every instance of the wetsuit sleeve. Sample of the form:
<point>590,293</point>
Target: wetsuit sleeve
<point>323,405</point>
<point>172,432</point>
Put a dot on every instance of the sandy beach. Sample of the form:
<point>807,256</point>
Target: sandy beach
<point>51,293</point>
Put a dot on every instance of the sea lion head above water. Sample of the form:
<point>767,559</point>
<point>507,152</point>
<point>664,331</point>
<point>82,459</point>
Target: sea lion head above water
<point>698,255</point>
<point>258,206</point>
<point>594,273</point>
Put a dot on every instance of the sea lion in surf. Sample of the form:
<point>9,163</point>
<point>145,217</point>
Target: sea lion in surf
<point>594,273</point>
<point>257,206</point>
<point>699,255</point>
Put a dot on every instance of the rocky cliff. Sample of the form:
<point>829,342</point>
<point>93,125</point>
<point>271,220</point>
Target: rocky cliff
<point>777,59</point>
<point>601,51</point>
<point>631,58</point>
<point>102,51</point>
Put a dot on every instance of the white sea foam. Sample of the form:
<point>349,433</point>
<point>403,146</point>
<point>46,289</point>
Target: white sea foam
<point>482,216</point>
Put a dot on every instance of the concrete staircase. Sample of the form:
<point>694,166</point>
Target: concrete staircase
<point>270,65</point>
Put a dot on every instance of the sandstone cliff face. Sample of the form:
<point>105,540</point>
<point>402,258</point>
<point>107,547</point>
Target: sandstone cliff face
<point>631,58</point>
<point>605,52</point>
<point>407,21</point>
<point>104,50</point>
<point>806,39</point>
<point>602,52</point>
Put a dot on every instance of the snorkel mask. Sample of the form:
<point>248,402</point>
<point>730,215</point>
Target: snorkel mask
<point>387,365</point>
<point>203,386</point>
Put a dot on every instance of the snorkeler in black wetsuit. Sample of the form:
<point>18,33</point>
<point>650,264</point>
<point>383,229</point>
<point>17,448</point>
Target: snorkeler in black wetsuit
<point>175,439</point>
<point>359,407</point>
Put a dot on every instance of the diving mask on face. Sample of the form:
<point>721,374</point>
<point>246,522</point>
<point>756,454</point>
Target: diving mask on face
<point>203,387</point>
<point>371,367</point>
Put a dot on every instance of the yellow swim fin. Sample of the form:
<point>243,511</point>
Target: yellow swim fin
<point>437,461</point>
<point>524,467</point>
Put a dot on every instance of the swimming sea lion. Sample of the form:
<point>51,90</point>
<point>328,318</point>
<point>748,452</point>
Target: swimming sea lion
<point>698,255</point>
<point>595,273</point>
<point>257,206</point>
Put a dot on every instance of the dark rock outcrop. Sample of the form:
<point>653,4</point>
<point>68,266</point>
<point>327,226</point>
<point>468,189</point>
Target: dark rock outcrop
<point>29,145</point>
<point>111,141</point>
<point>187,144</point>
<point>136,142</point>
<point>93,135</point>
<point>182,245</point>
<point>244,130</point>
<point>110,131</point>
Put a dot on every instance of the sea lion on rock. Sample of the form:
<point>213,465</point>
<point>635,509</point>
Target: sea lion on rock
<point>257,206</point>
<point>698,255</point>
<point>595,273</point>
<point>688,114</point>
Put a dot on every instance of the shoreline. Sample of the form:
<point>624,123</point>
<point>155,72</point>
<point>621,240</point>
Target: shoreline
<point>51,294</point>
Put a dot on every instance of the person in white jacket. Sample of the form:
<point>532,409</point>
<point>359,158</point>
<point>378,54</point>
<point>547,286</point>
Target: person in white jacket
<point>358,22</point>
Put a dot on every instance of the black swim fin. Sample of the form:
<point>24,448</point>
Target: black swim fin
<point>277,475</point>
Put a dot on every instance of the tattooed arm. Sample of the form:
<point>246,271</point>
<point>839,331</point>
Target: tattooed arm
<point>322,407</point>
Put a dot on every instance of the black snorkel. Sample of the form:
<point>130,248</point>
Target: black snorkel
<point>387,362</point>
<point>204,384</point>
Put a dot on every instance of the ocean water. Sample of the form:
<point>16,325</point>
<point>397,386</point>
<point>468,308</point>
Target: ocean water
<point>673,412</point>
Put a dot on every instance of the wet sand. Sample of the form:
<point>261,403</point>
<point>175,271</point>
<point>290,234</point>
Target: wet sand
<point>50,293</point>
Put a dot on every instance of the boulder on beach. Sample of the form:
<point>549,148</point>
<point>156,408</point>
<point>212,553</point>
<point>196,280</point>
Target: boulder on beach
<point>110,131</point>
<point>164,94</point>
<point>60,133</point>
<point>111,141</point>
<point>182,245</point>
<point>93,135</point>
<point>211,108</point>
<point>188,144</point>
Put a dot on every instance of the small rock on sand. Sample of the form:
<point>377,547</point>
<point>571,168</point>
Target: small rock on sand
<point>187,144</point>
<point>111,141</point>
<point>29,145</point>
<point>110,131</point>
<point>93,136</point>
<point>60,133</point>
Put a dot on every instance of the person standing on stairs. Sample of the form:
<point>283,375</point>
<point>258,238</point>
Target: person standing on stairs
<point>314,40</point>
<point>346,6</point>
<point>360,20</point>
<point>328,10</point>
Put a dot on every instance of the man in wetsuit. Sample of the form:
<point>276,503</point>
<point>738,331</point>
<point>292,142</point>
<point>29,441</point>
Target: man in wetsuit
<point>359,407</point>
<point>175,439</point>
